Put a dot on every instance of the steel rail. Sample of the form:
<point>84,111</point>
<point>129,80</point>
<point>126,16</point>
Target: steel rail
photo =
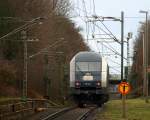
<point>87,114</point>
<point>57,114</point>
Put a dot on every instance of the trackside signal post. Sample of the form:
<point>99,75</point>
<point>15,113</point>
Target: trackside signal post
<point>122,55</point>
<point>124,88</point>
<point>145,56</point>
<point>120,42</point>
<point>24,90</point>
<point>25,68</point>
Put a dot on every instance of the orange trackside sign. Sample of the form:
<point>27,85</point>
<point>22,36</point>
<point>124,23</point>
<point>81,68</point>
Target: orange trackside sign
<point>124,88</point>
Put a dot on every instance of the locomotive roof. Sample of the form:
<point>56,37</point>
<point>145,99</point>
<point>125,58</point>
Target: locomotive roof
<point>87,56</point>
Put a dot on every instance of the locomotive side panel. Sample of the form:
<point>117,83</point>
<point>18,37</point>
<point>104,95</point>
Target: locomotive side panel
<point>72,73</point>
<point>104,77</point>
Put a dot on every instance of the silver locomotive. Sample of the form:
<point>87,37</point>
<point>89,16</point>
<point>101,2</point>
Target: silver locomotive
<point>89,78</point>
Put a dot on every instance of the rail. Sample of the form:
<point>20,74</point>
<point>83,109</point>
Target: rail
<point>57,114</point>
<point>86,114</point>
<point>66,113</point>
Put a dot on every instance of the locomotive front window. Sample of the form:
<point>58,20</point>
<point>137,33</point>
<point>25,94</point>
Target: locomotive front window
<point>87,66</point>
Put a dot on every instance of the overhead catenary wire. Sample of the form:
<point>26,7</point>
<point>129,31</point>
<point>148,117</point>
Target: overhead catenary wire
<point>113,51</point>
<point>114,61</point>
<point>84,6</point>
<point>110,32</point>
<point>94,7</point>
<point>110,47</point>
<point>112,72</point>
<point>94,41</point>
<point>106,34</point>
<point>84,19</point>
<point>93,27</point>
<point>126,17</point>
<point>133,18</point>
<point>115,66</point>
<point>84,12</point>
<point>25,26</point>
<point>114,38</point>
<point>103,31</point>
<point>114,69</point>
<point>100,28</point>
<point>46,48</point>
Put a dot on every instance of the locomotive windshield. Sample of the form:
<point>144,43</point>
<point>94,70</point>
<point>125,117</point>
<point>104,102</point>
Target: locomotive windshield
<point>88,66</point>
<point>88,70</point>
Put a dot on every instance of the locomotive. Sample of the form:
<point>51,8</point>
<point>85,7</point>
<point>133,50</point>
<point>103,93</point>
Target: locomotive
<point>89,78</point>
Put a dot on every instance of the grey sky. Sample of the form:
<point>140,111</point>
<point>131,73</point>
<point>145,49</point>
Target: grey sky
<point>111,8</point>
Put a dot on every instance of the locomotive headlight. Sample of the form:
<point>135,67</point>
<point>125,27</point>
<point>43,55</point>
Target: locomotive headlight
<point>77,84</point>
<point>98,84</point>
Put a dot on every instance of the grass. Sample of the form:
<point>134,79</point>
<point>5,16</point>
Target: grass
<point>137,109</point>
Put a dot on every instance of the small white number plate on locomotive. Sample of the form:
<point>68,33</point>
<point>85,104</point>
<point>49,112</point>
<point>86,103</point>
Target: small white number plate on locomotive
<point>88,78</point>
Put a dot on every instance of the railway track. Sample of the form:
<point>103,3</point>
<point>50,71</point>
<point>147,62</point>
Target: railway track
<point>73,113</point>
<point>87,114</point>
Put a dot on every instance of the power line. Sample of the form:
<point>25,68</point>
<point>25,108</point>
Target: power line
<point>132,17</point>
<point>48,47</point>
<point>111,35</point>
<point>86,18</point>
<point>111,48</point>
<point>84,6</point>
<point>94,41</point>
<point>97,47</point>
<point>87,29</point>
<point>85,12</point>
<point>105,32</point>
<point>114,51</point>
<point>114,61</point>
<point>110,32</point>
<point>25,26</point>
<point>94,7</point>
<point>115,66</point>
<point>105,20</point>
<point>114,69</point>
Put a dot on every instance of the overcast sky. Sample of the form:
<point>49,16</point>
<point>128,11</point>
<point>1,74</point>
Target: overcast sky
<point>112,8</point>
